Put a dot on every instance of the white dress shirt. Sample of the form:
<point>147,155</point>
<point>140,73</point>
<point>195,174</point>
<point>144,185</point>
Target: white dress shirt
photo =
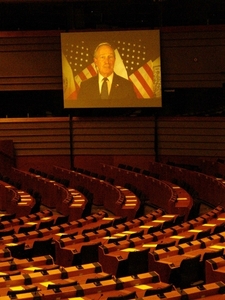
<point>109,82</point>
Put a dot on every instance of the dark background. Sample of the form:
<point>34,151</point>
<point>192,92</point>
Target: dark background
<point>110,14</point>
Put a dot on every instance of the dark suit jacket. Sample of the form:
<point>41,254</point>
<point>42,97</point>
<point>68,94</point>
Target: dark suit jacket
<point>121,90</point>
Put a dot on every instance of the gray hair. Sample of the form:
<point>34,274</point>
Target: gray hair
<point>103,44</point>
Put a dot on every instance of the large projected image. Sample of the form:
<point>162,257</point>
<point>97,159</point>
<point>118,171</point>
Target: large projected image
<point>111,69</point>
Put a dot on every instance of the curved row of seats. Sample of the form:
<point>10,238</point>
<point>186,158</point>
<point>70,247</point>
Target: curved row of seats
<point>116,202</point>
<point>89,282</point>
<point>192,225</point>
<point>209,189</point>
<point>160,193</point>
<point>41,241</point>
<point>50,193</point>
<point>130,226</point>
<point>136,233</point>
<point>15,201</point>
<point>105,194</point>
<point>41,279</point>
<point>66,201</point>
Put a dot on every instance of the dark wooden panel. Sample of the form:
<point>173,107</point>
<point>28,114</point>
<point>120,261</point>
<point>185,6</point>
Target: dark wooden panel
<point>190,59</point>
<point>192,137</point>
<point>30,61</point>
<point>193,58</point>
<point>41,136</point>
<point>114,136</point>
<point>51,136</point>
<point>126,136</point>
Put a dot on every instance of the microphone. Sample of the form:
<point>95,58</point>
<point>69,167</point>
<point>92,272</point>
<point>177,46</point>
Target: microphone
<point>100,296</point>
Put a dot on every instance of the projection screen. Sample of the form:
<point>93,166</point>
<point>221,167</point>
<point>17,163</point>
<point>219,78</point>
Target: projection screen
<point>137,59</point>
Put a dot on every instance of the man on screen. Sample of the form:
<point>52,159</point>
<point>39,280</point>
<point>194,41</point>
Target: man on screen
<point>107,84</point>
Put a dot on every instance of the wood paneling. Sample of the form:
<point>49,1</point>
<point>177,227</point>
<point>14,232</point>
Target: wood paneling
<point>30,61</point>
<point>192,58</point>
<point>115,137</point>
<point>44,136</point>
<point>192,137</point>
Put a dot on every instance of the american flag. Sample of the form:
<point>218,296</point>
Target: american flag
<point>143,81</point>
<point>139,67</point>
<point>81,65</point>
<point>133,57</point>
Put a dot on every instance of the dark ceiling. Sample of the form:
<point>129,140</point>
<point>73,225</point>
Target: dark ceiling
<point>78,14</point>
<point>110,14</point>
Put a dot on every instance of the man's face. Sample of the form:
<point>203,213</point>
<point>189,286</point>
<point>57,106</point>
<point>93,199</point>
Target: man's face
<point>104,60</point>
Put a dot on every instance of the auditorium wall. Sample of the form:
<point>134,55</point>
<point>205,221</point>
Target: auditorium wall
<point>191,57</point>
<point>87,142</point>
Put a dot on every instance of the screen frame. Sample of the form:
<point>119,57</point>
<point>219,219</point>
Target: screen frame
<point>92,39</point>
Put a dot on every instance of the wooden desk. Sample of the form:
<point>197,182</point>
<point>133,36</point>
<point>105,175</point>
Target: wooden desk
<point>57,275</point>
<point>210,291</point>
<point>215,269</point>
<point>15,201</point>
<point>111,261</point>
<point>164,266</point>
<point>139,289</point>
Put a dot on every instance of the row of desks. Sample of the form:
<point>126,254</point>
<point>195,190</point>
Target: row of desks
<point>113,198</point>
<point>67,201</point>
<point>14,201</point>
<point>160,193</point>
<point>79,287</point>
<point>107,290</point>
<point>208,187</point>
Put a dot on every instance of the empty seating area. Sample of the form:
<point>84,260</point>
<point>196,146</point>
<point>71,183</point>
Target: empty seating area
<point>68,250</point>
<point>41,278</point>
<point>15,201</point>
<point>206,188</point>
<point>112,197</point>
<point>116,197</point>
<point>160,193</point>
